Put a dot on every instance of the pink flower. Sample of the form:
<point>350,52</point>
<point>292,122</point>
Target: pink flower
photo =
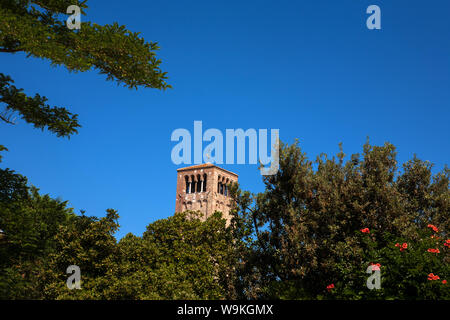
<point>375,266</point>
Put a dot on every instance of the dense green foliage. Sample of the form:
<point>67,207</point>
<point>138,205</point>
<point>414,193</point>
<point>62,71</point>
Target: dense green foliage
<point>311,235</point>
<point>29,222</point>
<point>303,233</point>
<point>176,258</point>
<point>179,257</point>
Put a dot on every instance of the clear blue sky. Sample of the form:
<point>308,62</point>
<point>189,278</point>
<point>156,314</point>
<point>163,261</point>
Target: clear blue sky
<point>309,68</point>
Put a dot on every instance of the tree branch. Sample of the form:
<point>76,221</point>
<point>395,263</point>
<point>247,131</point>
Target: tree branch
<point>6,120</point>
<point>10,50</point>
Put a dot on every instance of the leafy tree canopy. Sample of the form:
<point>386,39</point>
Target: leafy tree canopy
<point>38,28</point>
<point>303,233</point>
<point>179,257</point>
<point>29,222</point>
<point>311,234</point>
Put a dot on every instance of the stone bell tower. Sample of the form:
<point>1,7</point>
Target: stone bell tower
<point>204,188</point>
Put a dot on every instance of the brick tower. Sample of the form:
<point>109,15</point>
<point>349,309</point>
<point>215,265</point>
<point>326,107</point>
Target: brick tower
<point>204,187</point>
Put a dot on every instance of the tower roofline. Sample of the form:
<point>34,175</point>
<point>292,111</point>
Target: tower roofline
<point>204,166</point>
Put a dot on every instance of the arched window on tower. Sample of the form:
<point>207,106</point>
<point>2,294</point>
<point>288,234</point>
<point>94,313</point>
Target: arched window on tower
<point>192,184</point>
<point>188,184</point>
<point>199,184</point>
<point>225,191</point>
<point>204,182</point>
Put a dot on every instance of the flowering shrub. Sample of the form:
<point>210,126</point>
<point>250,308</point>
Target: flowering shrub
<point>417,269</point>
<point>346,223</point>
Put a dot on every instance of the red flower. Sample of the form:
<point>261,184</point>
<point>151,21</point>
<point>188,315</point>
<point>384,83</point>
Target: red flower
<point>432,276</point>
<point>435,229</point>
<point>433,250</point>
<point>397,244</point>
<point>447,243</point>
<point>330,286</point>
<point>375,266</point>
<point>403,247</point>
<point>365,230</point>
<point>444,281</point>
